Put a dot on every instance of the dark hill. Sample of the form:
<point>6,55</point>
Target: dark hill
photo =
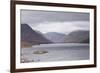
<point>30,36</point>
<point>79,36</point>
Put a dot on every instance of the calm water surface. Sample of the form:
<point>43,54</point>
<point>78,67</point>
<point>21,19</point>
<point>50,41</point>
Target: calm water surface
<point>55,52</point>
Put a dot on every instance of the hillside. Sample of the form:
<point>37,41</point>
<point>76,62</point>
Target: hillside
<point>78,36</point>
<point>31,37</point>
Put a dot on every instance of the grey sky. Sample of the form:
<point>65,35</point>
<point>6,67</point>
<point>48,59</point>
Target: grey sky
<point>45,21</point>
<point>30,16</point>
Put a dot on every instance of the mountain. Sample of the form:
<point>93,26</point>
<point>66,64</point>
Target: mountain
<point>55,37</point>
<point>78,36</point>
<point>31,37</point>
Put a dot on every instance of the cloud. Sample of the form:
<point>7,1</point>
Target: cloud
<point>38,16</point>
<point>61,27</point>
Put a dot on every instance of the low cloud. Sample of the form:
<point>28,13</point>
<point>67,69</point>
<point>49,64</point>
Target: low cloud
<point>61,27</point>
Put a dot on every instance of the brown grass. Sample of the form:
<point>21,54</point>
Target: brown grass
<point>25,44</point>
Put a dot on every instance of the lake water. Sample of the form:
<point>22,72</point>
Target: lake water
<point>55,52</point>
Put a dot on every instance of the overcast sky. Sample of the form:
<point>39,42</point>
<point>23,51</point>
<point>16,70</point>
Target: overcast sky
<point>49,21</point>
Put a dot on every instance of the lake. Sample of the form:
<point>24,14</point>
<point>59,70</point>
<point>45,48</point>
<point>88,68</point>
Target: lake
<point>55,52</point>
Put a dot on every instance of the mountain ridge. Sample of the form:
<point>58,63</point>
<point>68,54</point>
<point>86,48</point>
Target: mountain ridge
<point>30,36</point>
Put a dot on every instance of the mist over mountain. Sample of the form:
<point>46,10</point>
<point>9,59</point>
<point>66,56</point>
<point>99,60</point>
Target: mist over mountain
<point>78,36</point>
<point>31,37</point>
<point>55,37</point>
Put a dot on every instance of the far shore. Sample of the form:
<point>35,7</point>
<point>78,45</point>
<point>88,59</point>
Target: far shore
<point>54,45</point>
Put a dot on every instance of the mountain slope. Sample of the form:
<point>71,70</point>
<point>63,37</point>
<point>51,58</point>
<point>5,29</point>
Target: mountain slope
<point>79,36</point>
<point>30,36</point>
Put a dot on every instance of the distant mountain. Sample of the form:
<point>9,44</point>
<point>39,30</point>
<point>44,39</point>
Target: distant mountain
<point>31,37</point>
<point>55,37</point>
<point>79,36</point>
